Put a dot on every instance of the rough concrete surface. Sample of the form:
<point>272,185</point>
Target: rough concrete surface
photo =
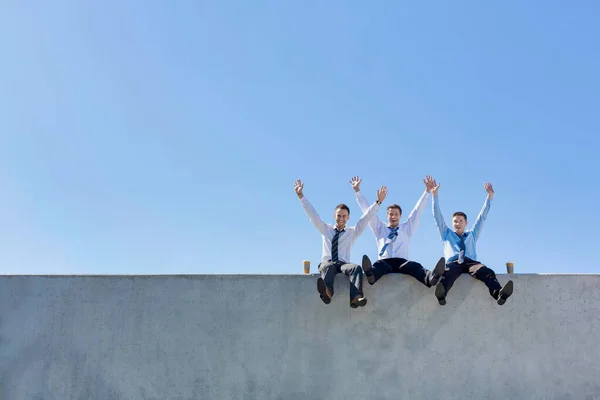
<point>270,337</point>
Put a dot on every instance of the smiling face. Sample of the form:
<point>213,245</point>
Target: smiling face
<point>341,216</point>
<point>393,215</point>
<point>459,223</point>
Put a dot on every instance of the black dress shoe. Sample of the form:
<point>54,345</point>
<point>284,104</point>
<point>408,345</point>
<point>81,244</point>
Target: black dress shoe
<point>368,269</point>
<point>440,293</point>
<point>505,293</point>
<point>358,302</point>
<point>323,291</point>
<point>438,271</point>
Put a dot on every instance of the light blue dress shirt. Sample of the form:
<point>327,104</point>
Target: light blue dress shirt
<point>451,240</point>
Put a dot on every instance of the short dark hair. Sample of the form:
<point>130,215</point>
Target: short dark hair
<point>393,206</point>
<point>460,214</point>
<point>343,207</point>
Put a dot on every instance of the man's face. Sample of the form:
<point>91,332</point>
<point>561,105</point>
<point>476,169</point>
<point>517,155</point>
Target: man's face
<point>393,216</point>
<point>459,223</point>
<point>341,217</point>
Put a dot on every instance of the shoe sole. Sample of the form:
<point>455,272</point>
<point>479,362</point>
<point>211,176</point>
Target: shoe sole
<point>368,269</point>
<point>440,293</point>
<point>438,271</point>
<point>322,289</point>
<point>505,293</point>
<point>360,303</point>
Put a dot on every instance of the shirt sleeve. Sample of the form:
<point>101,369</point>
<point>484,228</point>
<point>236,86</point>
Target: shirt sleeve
<point>413,219</point>
<point>313,216</point>
<point>374,223</point>
<point>365,218</point>
<point>362,202</point>
<point>478,225</point>
<point>437,216</point>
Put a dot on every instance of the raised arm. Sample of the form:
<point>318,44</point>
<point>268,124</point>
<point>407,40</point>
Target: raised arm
<point>437,212</point>
<point>478,225</point>
<point>374,223</point>
<point>308,208</point>
<point>371,211</point>
<point>412,221</point>
<point>360,198</point>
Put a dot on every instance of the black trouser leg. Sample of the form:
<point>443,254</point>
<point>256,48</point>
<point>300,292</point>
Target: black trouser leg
<point>381,268</point>
<point>451,274</point>
<point>487,276</point>
<point>417,271</point>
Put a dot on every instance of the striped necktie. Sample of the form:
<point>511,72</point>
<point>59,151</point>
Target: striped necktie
<point>334,244</point>
<point>391,236</point>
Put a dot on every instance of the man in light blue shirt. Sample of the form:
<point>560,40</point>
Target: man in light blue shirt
<point>460,253</point>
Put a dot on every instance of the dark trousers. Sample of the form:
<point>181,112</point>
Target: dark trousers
<point>477,271</point>
<point>329,269</point>
<point>401,266</point>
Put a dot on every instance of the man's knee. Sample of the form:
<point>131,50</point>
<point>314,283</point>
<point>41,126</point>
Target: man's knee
<point>413,265</point>
<point>325,265</point>
<point>474,269</point>
<point>352,269</point>
<point>481,271</point>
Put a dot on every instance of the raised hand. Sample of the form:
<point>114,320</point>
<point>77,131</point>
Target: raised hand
<point>355,182</point>
<point>435,187</point>
<point>298,186</point>
<point>381,193</point>
<point>429,183</point>
<point>489,189</point>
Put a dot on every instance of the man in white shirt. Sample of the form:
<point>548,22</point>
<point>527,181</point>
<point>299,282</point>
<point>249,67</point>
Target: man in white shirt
<point>337,246</point>
<point>393,240</point>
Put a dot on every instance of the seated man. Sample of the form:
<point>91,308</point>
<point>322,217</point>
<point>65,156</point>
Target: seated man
<point>393,240</point>
<point>459,249</point>
<point>337,246</point>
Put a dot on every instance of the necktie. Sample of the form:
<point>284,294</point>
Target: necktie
<point>461,254</point>
<point>334,244</point>
<point>391,236</point>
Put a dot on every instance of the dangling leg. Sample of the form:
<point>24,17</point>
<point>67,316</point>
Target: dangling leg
<point>488,276</point>
<point>451,274</point>
<point>355,274</point>
<point>328,271</point>
<point>423,275</point>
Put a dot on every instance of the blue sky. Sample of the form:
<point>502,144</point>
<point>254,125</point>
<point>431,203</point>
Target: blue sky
<point>165,137</point>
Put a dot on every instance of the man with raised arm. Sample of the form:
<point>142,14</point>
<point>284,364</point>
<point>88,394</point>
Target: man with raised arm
<point>393,240</point>
<point>459,249</point>
<point>337,246</point>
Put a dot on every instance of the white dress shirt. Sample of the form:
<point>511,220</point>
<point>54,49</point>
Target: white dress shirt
<point>346,240</point>
<point>398,247</point>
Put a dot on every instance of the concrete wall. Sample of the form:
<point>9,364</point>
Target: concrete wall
<point>270,337</point>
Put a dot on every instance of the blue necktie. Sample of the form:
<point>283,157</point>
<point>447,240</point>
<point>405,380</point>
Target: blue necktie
<point>461,254</point>
<point>334,244</point>
<point>391,236</point>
